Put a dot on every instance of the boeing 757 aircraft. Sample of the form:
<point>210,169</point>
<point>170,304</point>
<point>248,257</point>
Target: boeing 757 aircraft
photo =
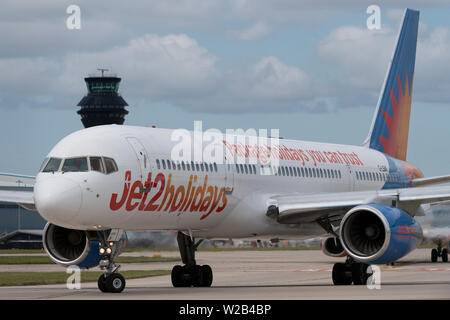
<point>97,183</point>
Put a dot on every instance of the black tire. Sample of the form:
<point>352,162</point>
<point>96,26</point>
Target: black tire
<point>444,254</point>
<point>434,255</point>
<point>206,276</point>
<point>115,283</point>
<point>339,275</point>
<point>179,278</point>
<point>102,283</point>
<point>359,273</point>
<point>196,276</point>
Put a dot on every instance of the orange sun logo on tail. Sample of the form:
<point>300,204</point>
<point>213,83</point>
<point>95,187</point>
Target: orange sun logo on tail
<point>398,125</point>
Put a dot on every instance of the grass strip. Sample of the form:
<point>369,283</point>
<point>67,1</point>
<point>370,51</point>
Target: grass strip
<point>21,251</point>
<point>46,260</point>
<point>40,278</point>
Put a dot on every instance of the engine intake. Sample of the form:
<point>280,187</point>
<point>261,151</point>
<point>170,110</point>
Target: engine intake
<point>70,247</point>
<point>379,234</point>
<point>332,246</point>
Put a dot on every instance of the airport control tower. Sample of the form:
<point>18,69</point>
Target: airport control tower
<point>102,104</point>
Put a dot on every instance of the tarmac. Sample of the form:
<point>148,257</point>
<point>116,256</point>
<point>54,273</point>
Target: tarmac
<point>258,275</point>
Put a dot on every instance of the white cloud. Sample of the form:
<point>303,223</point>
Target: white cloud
<point>154,66</point>
<point>41,55</point>
<point>173,69</point>
<point>362,56</point>
<point>258,31</point>
<point>275,80</point>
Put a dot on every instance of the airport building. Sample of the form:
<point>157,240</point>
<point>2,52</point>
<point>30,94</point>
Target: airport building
<point>19,227</point>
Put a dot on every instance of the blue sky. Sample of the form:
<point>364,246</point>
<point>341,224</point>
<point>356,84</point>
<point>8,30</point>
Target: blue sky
<point>311,69</point>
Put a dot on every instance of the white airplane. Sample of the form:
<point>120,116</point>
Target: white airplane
<point>98,182</point>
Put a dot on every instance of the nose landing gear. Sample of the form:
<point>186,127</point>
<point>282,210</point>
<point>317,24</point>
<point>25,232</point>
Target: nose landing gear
<point>111,281</point>
<point>191,274</point>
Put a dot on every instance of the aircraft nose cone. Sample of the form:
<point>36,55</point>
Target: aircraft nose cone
<point>57,198</point>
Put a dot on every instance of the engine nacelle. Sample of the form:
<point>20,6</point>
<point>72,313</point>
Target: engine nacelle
<point>69,247</point>
<point>379,234</point>
<point>332,246</point>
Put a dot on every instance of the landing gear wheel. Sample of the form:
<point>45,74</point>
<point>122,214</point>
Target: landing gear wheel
<point>444,255</point>
<point>115,283</point>
<point>191,274</point>
<point>180,277</point>
<point>359,273</point>
<point>207,275</point>
<point>204,276</point>
<point>434,255</point>
<point>340,275</point>
<point>102,283</point>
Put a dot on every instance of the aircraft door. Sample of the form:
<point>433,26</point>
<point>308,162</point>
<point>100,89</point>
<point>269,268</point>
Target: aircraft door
<point>142,157</point>
<point>351,178</point>
<point>229,177</point>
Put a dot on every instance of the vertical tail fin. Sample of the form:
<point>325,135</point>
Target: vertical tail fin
<point>390,124</point>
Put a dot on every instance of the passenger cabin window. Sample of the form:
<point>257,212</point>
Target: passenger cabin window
<point>110,165</point>
<point>75,165</point>
<point>52,165</point>
<point>96,164</point>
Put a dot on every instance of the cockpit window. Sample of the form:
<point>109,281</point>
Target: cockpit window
<point>110,165</point>
<point>52,165</point>
<point>75,165</point>
<point>43,164</point>
<point>96,164</point>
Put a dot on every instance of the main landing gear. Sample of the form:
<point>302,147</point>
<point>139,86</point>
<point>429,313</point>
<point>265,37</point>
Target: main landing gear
<point>439,252</point>
<point>111,281</point>
<point>191,274</point>
<point>350,272</point>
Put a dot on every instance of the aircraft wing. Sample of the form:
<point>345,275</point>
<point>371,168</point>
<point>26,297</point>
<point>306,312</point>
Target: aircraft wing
<point>420,182</point>
<point>23,198</point>
<point>300,208</point>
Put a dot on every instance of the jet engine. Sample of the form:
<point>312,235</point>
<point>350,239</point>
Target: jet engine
<point>331,246</point>
<point>71,247</point>
<point>378,234</point>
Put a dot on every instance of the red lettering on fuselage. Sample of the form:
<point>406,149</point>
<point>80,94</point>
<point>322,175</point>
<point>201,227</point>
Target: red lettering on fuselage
<point>196,197</point>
